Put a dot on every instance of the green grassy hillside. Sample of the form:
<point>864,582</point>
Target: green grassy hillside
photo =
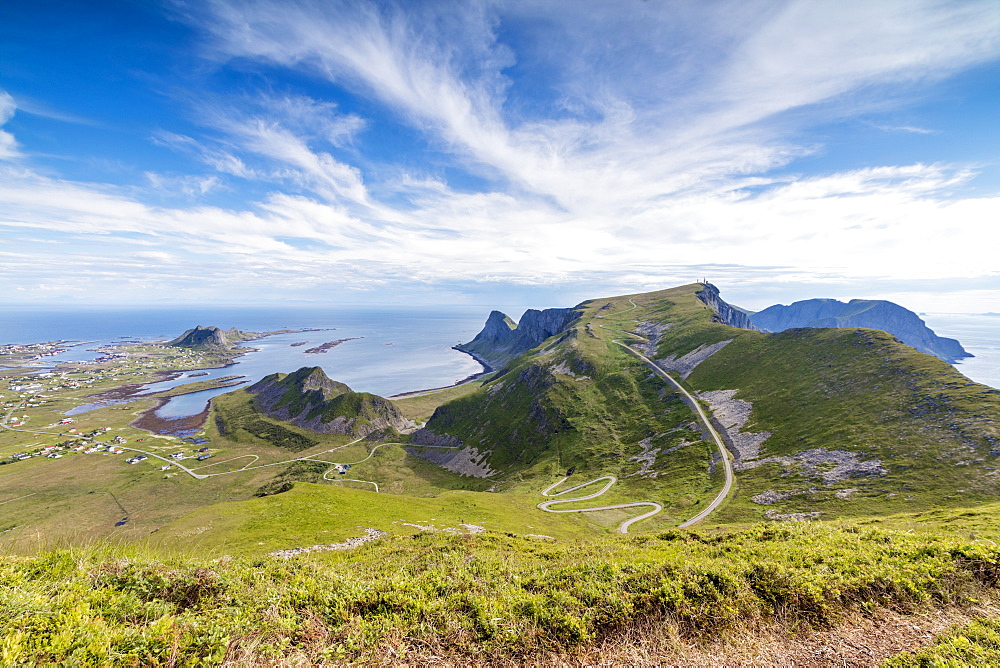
<point>491,598</point>
<point>858,423</point>
<point>895,448</point>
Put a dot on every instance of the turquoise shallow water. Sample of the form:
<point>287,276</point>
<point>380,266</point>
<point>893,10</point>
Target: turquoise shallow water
<point>393,350</point>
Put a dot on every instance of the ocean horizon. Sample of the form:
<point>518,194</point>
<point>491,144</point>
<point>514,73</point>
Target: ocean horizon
<point>392,349</point>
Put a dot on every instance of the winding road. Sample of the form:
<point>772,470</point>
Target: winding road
<point>622,528</point>
<point>723,452</point>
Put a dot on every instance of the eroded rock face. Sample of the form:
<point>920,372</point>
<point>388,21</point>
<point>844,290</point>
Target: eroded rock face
<point>450,454</point>
<point>733,414</point>
<point>725,313</point>
<point>501,339</point>
<point>686,363</point>
<point>870,313</point>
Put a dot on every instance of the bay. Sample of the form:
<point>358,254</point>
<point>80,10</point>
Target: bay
<point>391,351</point>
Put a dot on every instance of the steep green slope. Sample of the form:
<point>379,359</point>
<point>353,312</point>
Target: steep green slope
<point>309,399</point>
<point>831,421</point>
<point>859,423</point>
<point>578,401</point>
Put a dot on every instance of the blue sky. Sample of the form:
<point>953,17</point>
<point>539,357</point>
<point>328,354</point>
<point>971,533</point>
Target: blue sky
<point>532,152</point>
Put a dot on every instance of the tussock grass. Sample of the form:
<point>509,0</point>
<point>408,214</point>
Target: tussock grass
<point>492,598</point>
<point>974,644</point>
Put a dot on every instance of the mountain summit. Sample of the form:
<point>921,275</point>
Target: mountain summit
<point>209,337</point>
<point>501,339</point>
<point>310,399</point>
<point>870,313</point>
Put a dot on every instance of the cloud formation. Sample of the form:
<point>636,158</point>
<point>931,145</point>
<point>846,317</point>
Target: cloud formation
<point>539,144</point>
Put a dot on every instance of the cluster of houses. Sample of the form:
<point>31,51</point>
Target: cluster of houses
<point>34,351</point>
<point>202,454</point>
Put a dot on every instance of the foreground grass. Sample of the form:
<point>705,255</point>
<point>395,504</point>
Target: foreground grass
<point>444,597</point>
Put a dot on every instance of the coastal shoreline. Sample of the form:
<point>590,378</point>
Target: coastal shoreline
<point>487,370</point>
<point>149,421</point>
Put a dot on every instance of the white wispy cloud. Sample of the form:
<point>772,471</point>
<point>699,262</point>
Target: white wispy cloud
<point>8,145</point>
<point>631,144</point>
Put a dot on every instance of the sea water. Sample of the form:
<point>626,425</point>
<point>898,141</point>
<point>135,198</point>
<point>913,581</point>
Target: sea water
<point>391,351</point>
<point>979,334</point>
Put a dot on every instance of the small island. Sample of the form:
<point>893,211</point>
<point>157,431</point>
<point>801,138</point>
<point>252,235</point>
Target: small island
<point>329,345</point>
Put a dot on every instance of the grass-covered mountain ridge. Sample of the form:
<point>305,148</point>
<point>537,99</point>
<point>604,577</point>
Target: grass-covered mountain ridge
<point>819,422</point>
<point>279,543</point>
<point>310,399</point>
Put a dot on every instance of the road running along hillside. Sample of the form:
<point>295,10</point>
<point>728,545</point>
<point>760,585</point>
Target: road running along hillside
<point>723,451</point>
<point>622,528</point>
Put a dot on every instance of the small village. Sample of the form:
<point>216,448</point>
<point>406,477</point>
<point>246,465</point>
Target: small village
<point>80,382</point>
<point>87,443</point>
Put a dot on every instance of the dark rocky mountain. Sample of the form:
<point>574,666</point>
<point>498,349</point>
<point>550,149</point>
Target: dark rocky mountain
<point>501,340</point>
<point>310,399</point>
<point>725,313</point>
<point>869,313</point>
<point>210,337</point>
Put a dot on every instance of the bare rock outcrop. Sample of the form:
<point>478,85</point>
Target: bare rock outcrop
<point>467,461</point>
<point>733,414</point>
<point>725,313</point>
<point>685,364</point>
<point>350,543</point>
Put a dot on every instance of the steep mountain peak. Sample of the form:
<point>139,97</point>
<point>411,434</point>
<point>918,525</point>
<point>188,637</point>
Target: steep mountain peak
<point>313,378</point>
<point>310,399</point>
<point>501,340</point>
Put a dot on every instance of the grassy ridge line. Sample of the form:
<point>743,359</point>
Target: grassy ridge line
<point>435,597</point>
<point>313,514</point>
<point>935,431</point>
<point>579,402</point>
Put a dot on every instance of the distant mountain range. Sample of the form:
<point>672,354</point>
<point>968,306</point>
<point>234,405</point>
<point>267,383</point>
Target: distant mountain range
<point>869,313</point>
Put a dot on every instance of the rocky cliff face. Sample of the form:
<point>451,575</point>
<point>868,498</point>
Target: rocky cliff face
<point>870,313</point>
<point>501,339</point>
<point>209,337</point>
<point>310,399</point>
<point>725,313</point>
